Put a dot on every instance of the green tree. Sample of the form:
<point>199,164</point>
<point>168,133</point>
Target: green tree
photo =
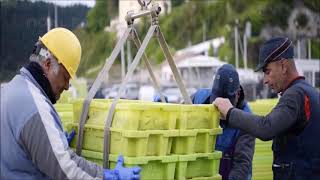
<point>101,14</point>
<point>313,5</point>
<point>22,22</point>
<point>98,16</point>
<point>176,3</point>
<point>315,48</point>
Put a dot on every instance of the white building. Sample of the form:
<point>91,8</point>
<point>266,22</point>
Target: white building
<point>310,69</point>
<point>119,24</point>
<point>195,70</point>
<point>203,47</point>
<point>199,71</point>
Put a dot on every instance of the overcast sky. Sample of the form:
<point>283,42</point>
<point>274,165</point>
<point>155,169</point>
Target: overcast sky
<point>89,3</point>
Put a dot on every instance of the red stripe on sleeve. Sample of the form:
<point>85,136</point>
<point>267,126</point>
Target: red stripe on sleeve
<point>307,107</point>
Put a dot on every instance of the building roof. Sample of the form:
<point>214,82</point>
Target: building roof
<point>200,61</point>
<point>203,47</point>
<point>307,65</point>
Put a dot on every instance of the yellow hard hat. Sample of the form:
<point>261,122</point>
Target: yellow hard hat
<point>65,46</point>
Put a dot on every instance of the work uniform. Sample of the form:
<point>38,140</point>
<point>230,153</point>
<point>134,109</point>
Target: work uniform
<point>237,146</point>
<point>36,147</point>
<point>294,126</point>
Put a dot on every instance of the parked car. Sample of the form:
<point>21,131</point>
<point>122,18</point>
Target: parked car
<point>131,91</point>
<point>146,93</point>
<point>174,94</point>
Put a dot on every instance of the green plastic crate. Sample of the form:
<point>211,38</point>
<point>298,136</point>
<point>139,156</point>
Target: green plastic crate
<point>67,127</point>
<point>67,120</point>
<point>66,116</point>
<point>262,164</point>
<point>78,104</point>
<point>146,117</point>
<point>141,115</point>
<point>60,107</point>
<point>132,116</point>
<point>198,165</point>
<point>65,97</point>
<point>128,142</point>
<point>198,116</point>
<point>195,141</point>
<point>65,112</point>
<point>263,148</point>
<point>216,177</point>
<point>153,167</point>
<point>262,161</point>
<point>263,156</point>
<point>267,175</point>
<point>263,107</point>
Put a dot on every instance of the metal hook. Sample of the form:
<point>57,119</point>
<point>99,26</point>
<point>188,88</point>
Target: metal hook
<point>144,3</point>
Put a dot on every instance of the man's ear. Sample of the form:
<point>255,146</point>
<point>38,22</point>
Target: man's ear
<point>46,65</point>
<point>284,65</point>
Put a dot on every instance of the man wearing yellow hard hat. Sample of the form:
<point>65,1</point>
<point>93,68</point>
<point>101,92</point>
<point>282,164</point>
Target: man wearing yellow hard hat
<point>33,144</point>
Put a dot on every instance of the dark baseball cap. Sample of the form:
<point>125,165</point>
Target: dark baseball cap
<point>226,83</point>
<point>273,50</point>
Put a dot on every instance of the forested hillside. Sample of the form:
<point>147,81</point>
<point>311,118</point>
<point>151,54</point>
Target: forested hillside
<point>21,24</point>
<point>23,21</point>
<point>184,26</point>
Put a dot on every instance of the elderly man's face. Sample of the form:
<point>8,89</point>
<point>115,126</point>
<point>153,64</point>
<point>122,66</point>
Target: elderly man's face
<point>274,76</point>
<point>59,80</point>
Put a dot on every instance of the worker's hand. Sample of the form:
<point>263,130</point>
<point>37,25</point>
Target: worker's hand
<point>110,174</point>
<point>132,173</point>
<point>224,105</point>
<point>70,136</point>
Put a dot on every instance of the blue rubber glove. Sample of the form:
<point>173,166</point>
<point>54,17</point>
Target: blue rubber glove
<point>132,173</point>
<point>110,174</point>
<point>70,136</point>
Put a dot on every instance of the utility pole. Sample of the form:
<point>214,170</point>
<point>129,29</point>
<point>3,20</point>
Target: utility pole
<point>245,51</point>
<point>246,35</point>
<point>309,49</point>
<point>55,16</point>
<point>48,23</point>
<point>236,43</point>
<point>204,31</point>
<point>299,49</point>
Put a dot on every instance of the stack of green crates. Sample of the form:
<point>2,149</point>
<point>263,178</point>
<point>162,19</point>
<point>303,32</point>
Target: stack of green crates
<point>263,107</point>
<point>169,141</point>
<point>65,98</point>
<point>65,111</point>
<point>262,159</point>
<point>64,107</point>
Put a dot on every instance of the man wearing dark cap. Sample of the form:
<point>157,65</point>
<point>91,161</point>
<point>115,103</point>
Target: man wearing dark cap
<point>293,125</point>
<point>237,146</point>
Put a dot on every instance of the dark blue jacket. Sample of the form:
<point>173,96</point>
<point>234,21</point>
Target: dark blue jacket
<point>237,146</point>
<point>298,151</point>
<point>294,126</point>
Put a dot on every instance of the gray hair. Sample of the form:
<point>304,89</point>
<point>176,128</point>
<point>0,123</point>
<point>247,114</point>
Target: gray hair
<point>41,54</point>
